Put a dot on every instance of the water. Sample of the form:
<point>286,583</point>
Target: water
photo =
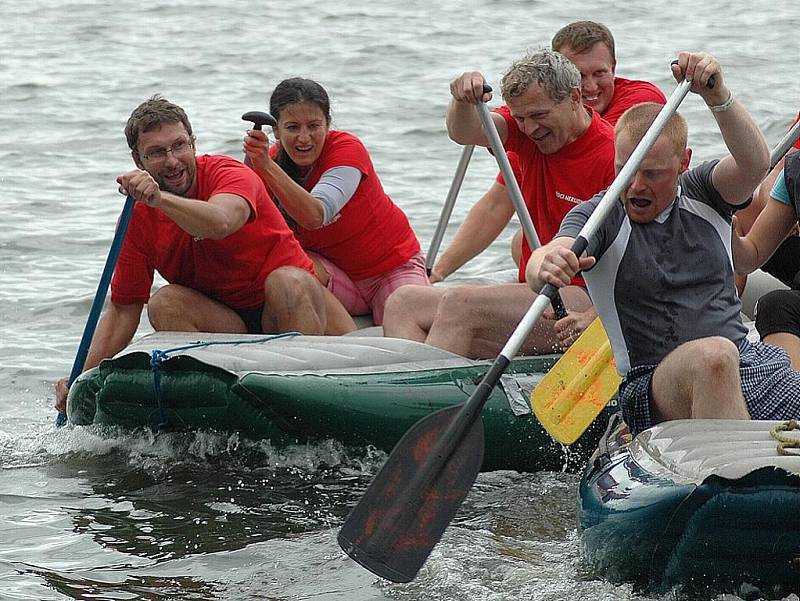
<point>102,514</point>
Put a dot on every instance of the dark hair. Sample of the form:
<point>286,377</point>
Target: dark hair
<point>152,114</point>
<point>293,91</point>
<point>581,36</point>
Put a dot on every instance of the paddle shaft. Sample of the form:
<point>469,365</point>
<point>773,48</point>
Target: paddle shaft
<point>99,297</point>
<point>449,203</point>
<point>784,145</point>
<point>392,505</point>
<point>470,411</point>
<point>512,186</point>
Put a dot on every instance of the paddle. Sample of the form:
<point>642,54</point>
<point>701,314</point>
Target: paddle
<point>99,298</point>
<point>513,188</point>
<point>447,209</point>
<point>578,387</point>
<point>410,502</point>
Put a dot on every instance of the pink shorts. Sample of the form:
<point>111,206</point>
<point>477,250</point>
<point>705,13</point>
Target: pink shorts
<point>370,295</point>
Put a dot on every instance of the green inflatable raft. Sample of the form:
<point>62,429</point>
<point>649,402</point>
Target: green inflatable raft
<point>359,390</point>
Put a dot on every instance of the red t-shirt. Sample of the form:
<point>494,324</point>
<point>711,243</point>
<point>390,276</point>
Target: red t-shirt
<point>371,235</point>
<point>552,184</point>
<point>628,92</point>
<point>231,270</point>
<point>796,144</point>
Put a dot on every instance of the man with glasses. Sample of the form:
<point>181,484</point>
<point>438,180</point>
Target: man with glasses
<point>208,226</point>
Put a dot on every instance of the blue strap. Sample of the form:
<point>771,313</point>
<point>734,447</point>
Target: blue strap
<point>158,356</point>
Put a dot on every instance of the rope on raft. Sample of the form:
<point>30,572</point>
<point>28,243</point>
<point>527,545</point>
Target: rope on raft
<point>158,356</point>
<point>786,443</point>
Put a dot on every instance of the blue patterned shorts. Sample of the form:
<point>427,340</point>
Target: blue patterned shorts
<point>771,388</point>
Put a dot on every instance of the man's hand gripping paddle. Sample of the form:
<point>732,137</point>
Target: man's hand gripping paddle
<point>580,384</point>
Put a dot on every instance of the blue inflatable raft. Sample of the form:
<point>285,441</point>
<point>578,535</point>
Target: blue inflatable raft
<point>708,504</point>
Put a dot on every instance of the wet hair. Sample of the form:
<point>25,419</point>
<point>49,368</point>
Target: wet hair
<point>152,114</point>
<point>637,120</point>
<point>551,69</point>
<point>581,36</point>
<point>293,91</point>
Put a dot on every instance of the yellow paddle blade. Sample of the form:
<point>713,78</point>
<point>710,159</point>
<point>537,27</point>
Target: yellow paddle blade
<point>578,386</point>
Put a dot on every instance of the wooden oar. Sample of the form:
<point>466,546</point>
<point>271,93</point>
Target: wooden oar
<point>410,502</point>
<point>578,387</point>
<point>447,208</point>
<point>99,298</point>
<point>512,186</point>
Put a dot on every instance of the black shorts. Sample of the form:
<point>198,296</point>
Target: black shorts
<point>251,319</point>
<point>778,312</point>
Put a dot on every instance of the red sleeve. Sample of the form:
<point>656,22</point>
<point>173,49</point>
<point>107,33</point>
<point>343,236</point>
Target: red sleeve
<point>513,159</point>
<point>224,175</point>
<point>343,149</point>
<point>133,275</point>
<point>515,137</point>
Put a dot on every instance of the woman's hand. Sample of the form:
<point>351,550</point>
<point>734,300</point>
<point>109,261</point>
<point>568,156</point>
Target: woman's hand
<point>256,148</point>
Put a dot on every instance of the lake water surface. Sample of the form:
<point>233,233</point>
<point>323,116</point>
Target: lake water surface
<point>101,514</point>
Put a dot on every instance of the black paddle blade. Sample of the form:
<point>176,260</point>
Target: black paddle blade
<point>410,502</point>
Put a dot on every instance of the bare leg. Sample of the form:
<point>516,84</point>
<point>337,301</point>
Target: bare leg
<point>699,379</point>
<point>409,312</point>
<point>477,321</point>
<point>788,342</point>
<point>294,302</point>
<point>338,319</point>
<point>181,309</point>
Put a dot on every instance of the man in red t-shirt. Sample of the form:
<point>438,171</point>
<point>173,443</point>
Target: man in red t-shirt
<point>590,47</point>
<point>566,156</point>
<point>208,226</point>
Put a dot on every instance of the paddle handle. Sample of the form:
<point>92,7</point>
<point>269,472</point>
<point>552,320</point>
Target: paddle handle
<point>449,203</point>
<point>259,119</point>
<point>784,145</point>
<point>512,186</point>
<point>508,174</point>
<point>99,298</point>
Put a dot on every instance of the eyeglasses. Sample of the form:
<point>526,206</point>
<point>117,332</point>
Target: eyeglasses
<point>179,148</point>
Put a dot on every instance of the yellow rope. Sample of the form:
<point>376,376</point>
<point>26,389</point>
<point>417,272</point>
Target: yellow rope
<point>786,443</point>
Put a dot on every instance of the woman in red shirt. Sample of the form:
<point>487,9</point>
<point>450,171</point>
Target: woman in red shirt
<point>323,180</point>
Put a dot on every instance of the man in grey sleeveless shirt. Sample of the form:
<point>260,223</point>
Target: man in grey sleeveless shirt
<point>660,270</point>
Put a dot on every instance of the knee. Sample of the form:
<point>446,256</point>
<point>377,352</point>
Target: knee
<point>401,302</point>
<point>715,355</point>
<point>290,283</point>
<point>165,303</point>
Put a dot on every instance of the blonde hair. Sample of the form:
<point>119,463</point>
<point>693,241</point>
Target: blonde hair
<point>637,120</point>
<point>551,69</point>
